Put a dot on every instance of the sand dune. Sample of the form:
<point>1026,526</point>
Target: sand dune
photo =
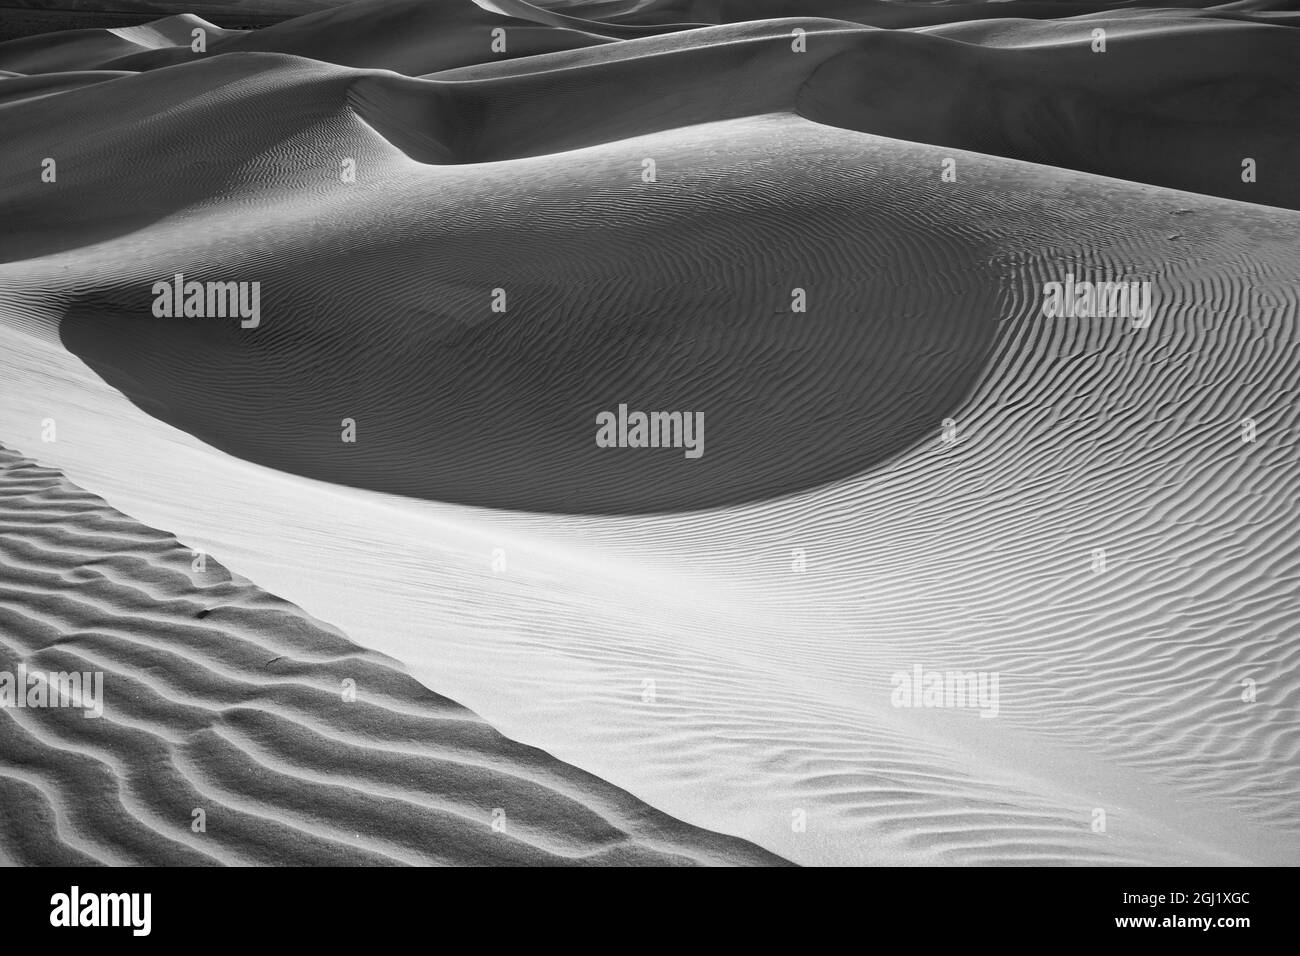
<point>34,87</point>
<point>159,42</point>
<point>222,698</point>
<point>918,470</point>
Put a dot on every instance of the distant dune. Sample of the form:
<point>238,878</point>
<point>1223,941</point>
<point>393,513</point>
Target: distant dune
<point>829,228</point>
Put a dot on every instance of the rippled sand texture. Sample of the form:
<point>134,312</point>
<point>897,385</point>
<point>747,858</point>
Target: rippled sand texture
<point>719,636</point>
<point>298,746</point>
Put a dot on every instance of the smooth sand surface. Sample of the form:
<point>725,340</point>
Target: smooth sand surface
<point>645,617</point>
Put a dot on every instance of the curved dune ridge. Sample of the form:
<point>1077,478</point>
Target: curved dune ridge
<point>222,698</point>
<point>905,464</point>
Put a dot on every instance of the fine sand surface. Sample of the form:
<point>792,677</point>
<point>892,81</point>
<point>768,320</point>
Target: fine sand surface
<point>222,698</point>
<point>717,636</point>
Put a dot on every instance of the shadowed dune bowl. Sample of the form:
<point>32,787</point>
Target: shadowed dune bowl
<point>455,402</point>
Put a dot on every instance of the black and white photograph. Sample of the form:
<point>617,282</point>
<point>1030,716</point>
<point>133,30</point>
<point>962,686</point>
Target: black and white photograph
<point>650,433</point>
